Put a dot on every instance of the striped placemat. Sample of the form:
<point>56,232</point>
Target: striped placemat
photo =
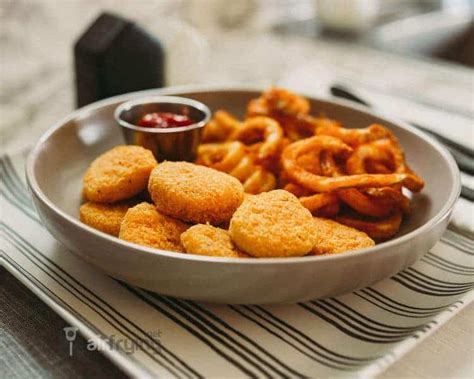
<point>358,334</point>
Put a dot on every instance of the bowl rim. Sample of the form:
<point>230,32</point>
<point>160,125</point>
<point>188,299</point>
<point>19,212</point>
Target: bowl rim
<point>429,224</point>
<point>127,105</point>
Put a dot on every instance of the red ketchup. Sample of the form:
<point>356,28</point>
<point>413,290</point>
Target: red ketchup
<point>164,120</point>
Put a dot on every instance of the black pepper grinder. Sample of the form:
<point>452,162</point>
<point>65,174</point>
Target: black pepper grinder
<point>115,56</point>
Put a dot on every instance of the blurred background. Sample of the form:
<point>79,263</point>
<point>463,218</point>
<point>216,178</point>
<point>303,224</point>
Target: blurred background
<point>415,51</point>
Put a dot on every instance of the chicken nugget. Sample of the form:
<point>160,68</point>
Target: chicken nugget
<point>104,217</point>
<point>205,239</point>
<point>272,224</point>
<point>193,193</point>
<point>333,237</point>
<point>144,225</point>
<point>118,174</point>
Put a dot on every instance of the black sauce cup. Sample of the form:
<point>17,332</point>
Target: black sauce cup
<point>173,143</point>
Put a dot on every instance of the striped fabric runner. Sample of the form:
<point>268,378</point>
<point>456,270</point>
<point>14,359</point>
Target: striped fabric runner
<point>358,334</point>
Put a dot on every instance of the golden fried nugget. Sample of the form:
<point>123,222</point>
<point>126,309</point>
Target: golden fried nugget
<point>272,224</point>
<point>205,239</point>
<point>104,217</point>
<point>194,193</point>
<point>248,196</point>
<point>333,237</point>
<point>144,225</point>
<point>118,174</point>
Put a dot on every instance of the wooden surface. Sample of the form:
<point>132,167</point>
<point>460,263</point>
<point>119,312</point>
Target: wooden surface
<point>33,343</point>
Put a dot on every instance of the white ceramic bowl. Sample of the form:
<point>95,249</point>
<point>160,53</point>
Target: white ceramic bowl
<point>56,165</point>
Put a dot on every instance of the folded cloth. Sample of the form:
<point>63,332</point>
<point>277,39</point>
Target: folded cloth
<point>358,334</point>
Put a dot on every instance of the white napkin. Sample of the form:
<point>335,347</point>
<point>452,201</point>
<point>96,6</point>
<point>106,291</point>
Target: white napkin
<point>148,335</point>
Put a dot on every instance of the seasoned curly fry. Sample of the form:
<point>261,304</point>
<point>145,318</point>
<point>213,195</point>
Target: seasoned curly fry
<point>365,204</point>
<point>258,107</point>
<point>222,157</point>
<point>353,197</point>
<point>355,137</point>
<point>297,190</point>
<point>377,168</point>
<point>296,127</point>
<point>381,229</point>
<point>243,169</point>
<point>329,167</point>
<point>363,154</point>
<point>391,195</point>
<point>222,125</point>
<point>260,181</point>
<point>319,183</point>
<point>384,152</point>
<point>260,128</point>
<point>320,164</point>
<point>286,102</point>
<point>331,210</point>
<point>234,159</point>
<point>318,201</point>
<point>321,204</point>
<point>291,111</point>
<point>311,162</point>
<point>315,152</point>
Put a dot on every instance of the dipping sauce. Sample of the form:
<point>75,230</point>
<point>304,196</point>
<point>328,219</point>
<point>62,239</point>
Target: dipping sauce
<point>164,120</point>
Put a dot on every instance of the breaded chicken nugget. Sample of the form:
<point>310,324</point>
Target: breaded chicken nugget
<point>144,225</point>
<point>194,193</point>
<point>272,224</point>
<point>104,217</point>
<point>248,195</point>
<point>332,237</point>
<point>118,174</point>
<point>204,239</point>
